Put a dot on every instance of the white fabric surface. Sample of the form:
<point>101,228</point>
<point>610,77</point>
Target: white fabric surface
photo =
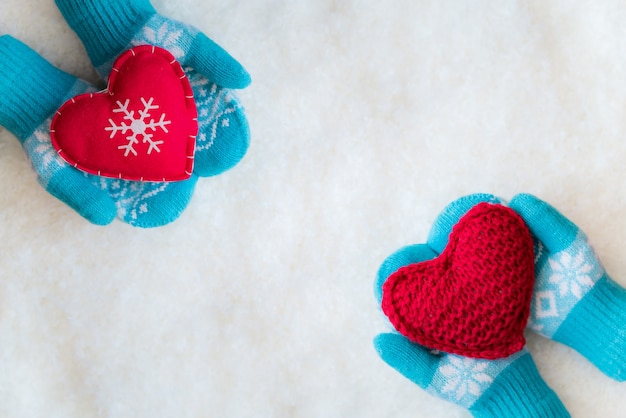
<point>367,118</point>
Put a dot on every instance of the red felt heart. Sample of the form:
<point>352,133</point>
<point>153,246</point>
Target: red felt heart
<point>143,127</point>
<point>474,298</point>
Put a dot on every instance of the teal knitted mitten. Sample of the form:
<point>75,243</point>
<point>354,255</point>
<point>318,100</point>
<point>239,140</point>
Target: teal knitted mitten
<point>31,91</point>
<point>575,301</point>
<point>510,387</point>
<point>109,27</point>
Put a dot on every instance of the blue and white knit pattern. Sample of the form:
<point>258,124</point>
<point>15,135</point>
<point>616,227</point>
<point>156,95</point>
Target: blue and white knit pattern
<point>463,380</point>
<point>176,37</point>
<point>43,157</point>
<point>216,105</point>
<point>562,280</point>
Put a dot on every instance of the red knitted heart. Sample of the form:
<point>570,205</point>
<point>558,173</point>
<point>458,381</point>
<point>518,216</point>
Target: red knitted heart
<point>474,299</point>
<point>143,127</point>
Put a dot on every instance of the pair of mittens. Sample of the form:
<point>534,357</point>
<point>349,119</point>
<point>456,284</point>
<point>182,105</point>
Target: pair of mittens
<point>215,135</point>
<point>459,304</point>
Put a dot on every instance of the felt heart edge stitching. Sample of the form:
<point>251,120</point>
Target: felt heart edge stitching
<point>502,350</point>
<point>110,90</point>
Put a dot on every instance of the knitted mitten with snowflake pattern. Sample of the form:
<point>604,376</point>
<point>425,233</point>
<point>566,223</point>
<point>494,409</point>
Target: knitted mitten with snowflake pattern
<point>31,91</point>
<point>109,27</point>
<point>575,301</point>
<point>506,387</point>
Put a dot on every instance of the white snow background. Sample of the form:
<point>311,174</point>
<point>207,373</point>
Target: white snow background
<point>367,118</point>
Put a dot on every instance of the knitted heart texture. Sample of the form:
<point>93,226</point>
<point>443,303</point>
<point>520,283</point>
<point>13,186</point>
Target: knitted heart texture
<point>143,127</point>
<point>474,298</point>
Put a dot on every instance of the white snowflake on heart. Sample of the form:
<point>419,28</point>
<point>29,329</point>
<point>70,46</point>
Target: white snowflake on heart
<point>138,126</point>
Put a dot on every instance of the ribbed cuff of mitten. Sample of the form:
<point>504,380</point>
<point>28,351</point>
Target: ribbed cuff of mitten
<point>105,26</point>
<point>595,328</point>
<point>519,391</point>
<point>31,89</point>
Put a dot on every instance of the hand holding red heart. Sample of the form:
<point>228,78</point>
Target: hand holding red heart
<point>467,291</point>
<point>474,298</point>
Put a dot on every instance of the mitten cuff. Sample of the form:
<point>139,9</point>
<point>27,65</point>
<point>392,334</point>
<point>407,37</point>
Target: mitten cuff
<point>105,27</point>
<point>519,391</point>
<point>31,89</point>
<point>595,328</point>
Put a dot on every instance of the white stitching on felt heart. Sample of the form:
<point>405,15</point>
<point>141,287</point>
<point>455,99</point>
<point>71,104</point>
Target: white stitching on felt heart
<point>142,126</point>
